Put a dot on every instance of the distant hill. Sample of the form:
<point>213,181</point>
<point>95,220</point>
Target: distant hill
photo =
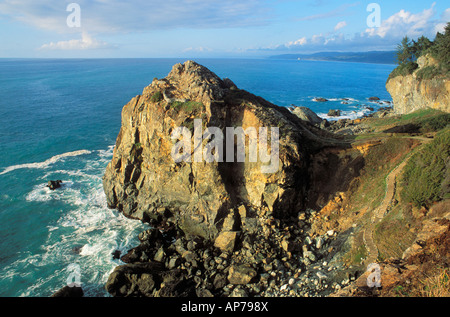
<point>375,57</point>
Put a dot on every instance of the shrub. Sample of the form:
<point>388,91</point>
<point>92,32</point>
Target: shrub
<point>157,97</point>
<point>404,69</point>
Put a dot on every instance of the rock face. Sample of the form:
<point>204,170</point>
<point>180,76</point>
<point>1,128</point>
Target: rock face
<point>203,198</point>
<point>410,93</point>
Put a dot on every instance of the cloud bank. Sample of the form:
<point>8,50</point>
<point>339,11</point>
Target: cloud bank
<point>85,43</point>
<point>385,37</point>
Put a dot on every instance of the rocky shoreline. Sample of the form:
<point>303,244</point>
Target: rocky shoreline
<point>343,126</point>
<point>237,232</point>
<point>227,229</point>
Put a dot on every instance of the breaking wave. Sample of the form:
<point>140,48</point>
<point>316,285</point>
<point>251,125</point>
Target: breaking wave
<point>46,163</point>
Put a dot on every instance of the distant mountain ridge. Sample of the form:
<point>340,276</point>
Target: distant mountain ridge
<point>374,57</point>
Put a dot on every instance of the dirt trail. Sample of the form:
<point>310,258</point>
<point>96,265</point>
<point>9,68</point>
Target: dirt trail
<point>380,212</point>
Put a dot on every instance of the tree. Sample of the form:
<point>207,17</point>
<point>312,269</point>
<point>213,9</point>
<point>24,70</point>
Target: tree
<point>421,46</point>
<point>441,47</point>
<point>405,51</point>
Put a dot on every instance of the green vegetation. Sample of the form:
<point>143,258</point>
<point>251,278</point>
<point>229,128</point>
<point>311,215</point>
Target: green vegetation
<point>393,235</point>
<point>194,110</point>
<point>408,51</point>
<point>404,69</point>
<point>380,160</point>
<point>421,121</point>
<point>157,97</point>
<point>188,106</point>
<point>426,177</point>
<point>357,252</point>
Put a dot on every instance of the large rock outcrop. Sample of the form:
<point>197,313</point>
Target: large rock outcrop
<point>410,93</point>
<point>203,198</point>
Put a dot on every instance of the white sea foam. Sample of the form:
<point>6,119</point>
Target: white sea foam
<point>85,232</point>
<point>46,163</point>
<point>352,115</point>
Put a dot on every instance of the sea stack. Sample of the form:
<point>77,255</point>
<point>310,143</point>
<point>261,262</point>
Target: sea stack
<point>202,198</point>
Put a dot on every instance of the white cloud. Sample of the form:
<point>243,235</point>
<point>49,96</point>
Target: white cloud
<point>340,25</point>
<point>445,18</point>
<point>299,42</point>
<point>386,37</point>
<point>406,23</point>
<point>85,43</point>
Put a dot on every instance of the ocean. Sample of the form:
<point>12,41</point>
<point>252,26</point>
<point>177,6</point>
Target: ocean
<point>59,120</point>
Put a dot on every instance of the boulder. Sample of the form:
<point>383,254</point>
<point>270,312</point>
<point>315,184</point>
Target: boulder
<point>226,241</point>
<point>334,113</point>
<point>148,279</point>
<point>241,274</point>
<point>54,184</point>
<point>69,291</point>
<point>307,115</point>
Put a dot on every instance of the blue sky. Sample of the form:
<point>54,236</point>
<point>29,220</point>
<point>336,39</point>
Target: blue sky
<point>210,28</point>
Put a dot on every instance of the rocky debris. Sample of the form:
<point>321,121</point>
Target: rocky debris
<point>374,99</point>
<point>276,260</point>
<point>348,127</point>
<point>69,291</point>
<point>54,184</point>
<point>382,112</point>
<point>320,99</point>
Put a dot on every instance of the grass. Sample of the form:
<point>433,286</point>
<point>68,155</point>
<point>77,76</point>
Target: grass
<point>420,117</point>
<point>380,160</point>
<point>187,107</point>
<point>426,176</point>
<point>433,284</point>
<point>393,235</point>
<point>437,284</point>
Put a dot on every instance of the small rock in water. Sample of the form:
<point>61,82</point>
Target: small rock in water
<point>54,184</point>
<point>334,113</point>
<point>116,254</point>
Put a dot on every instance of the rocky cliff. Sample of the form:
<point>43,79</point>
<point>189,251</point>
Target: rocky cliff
<point>411,92</point>
<point>203,198</point>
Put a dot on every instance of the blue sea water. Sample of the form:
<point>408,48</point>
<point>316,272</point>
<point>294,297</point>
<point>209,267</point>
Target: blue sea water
<point>59,120</point>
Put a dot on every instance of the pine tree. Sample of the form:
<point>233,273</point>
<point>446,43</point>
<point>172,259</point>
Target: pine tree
<point>441,47</point>
<point>421,46</point>
<point>405,51</point>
